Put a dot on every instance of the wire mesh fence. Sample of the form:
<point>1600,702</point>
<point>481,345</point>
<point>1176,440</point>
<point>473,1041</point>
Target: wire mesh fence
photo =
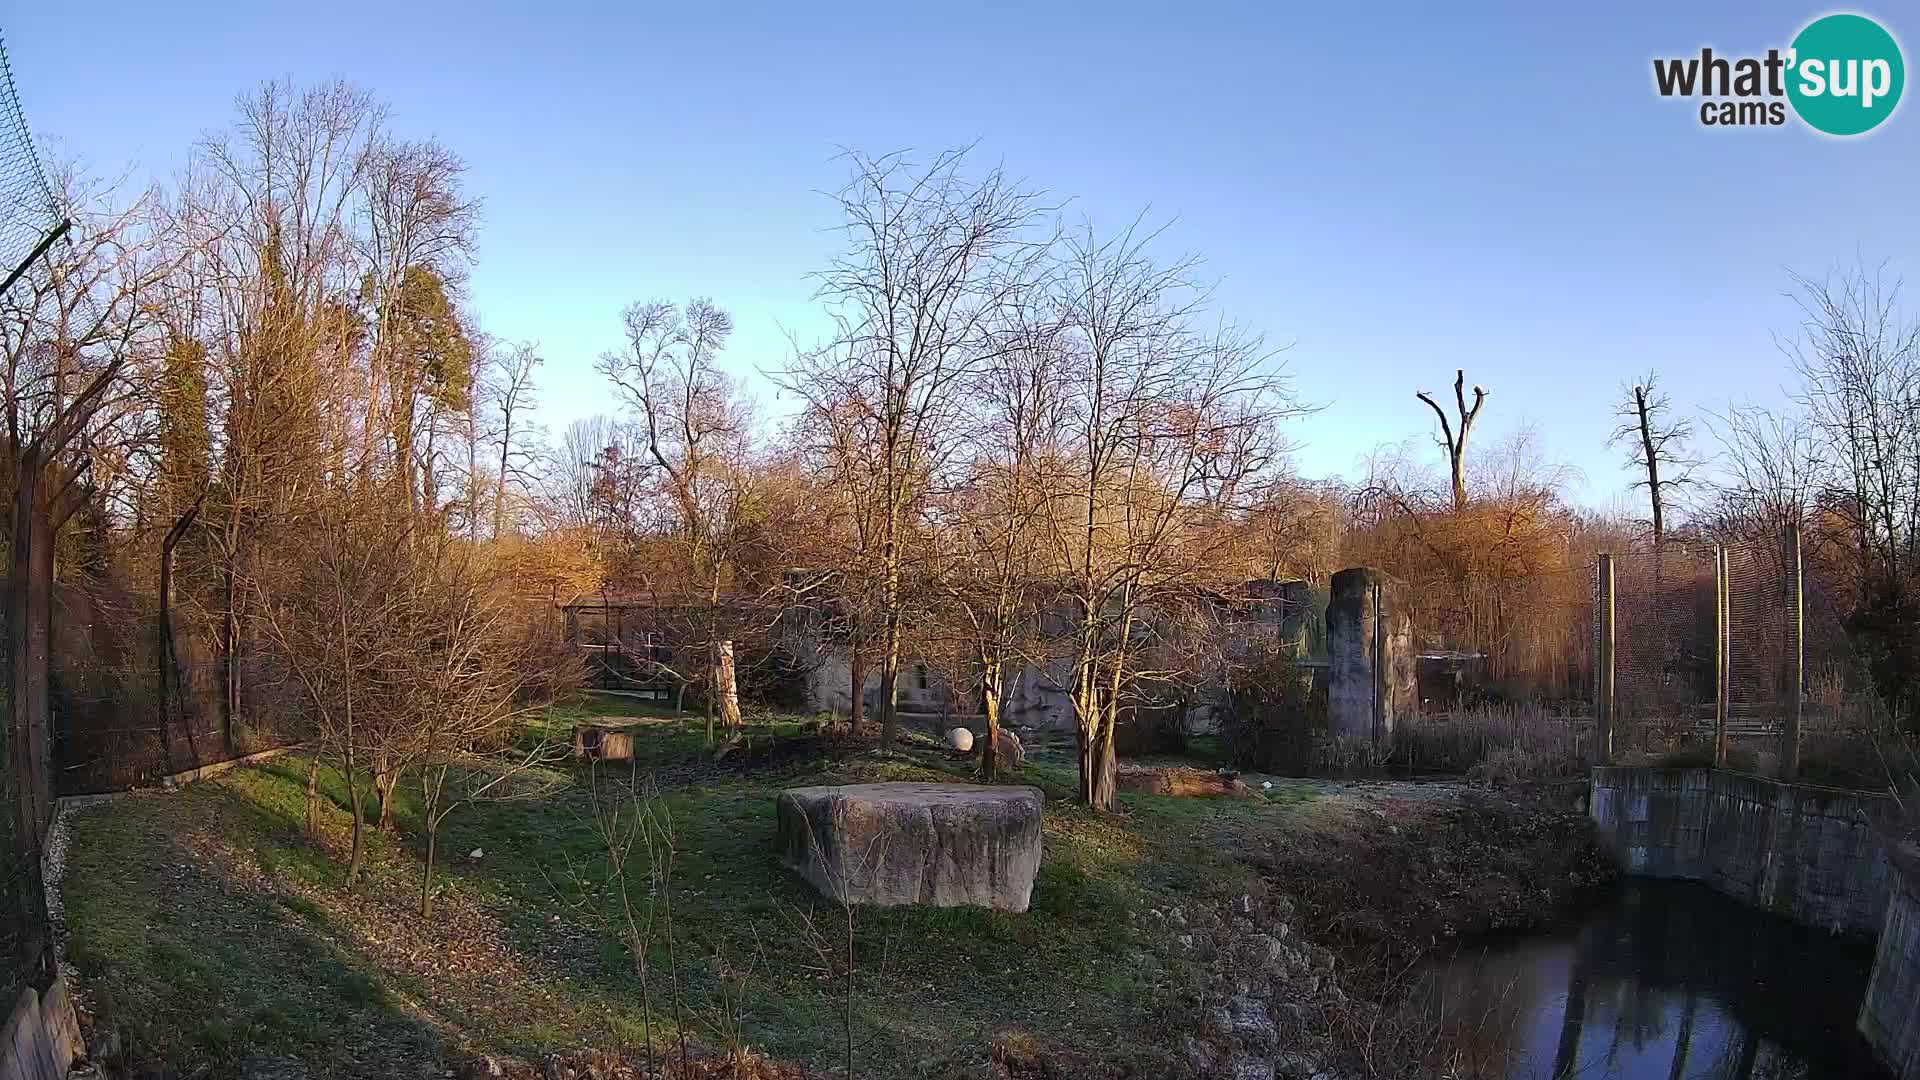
<point>113,732</point>
<point>30,217</point>
<point>1736,649</point>
<point>29,213</point>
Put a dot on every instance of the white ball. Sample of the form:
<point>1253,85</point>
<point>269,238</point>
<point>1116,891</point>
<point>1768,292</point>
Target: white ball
<point>960,739</point>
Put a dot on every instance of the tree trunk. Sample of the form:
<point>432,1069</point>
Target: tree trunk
<point>1098,780</point>
<point>24,858</point>
<point>40,694</point>
<point>726,692</point>
<point>230,644</point>
<point>313,797</point>
<point>990,689</point>
<point>1653,462</point>
<point>890,684</point>
<point>21,616</point>
<point>857,700</point>
<point>426,874</point>
<point>385,780</point>
<point>359,821</point>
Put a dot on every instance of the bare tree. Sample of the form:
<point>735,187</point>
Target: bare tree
<point>1657,446</point>
<point>1456,445</point>
<point>268,213</point>
<point>76,330</point>
<point>338,623</point>
<point>695,429</point>
<point>988,537</point>
<point>511,396</point>
<point>931,257</point>
<point>1773,471</point>
<point>1166,426</point>
<point>1858,357</point>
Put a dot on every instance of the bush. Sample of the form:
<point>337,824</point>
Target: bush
<point>1276,716</point>
<point>1148,730</point>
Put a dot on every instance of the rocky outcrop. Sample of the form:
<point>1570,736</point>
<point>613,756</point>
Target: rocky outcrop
<point>1268,1005</point>
<point>947,845</point>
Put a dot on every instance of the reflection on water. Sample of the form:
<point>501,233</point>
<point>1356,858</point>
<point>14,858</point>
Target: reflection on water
<point>1665,980</point>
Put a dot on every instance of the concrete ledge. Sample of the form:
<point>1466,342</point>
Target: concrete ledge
<point>1811,854</point>
<point>1890,1013</point>
<point>205,772</point>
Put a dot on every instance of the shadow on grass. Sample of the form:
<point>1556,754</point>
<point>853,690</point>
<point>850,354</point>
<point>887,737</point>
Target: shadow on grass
<point>932,985</point>
<point>192,972</point>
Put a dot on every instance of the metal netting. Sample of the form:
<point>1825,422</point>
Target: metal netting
<point>1758,588</point>
<point>1664,629</point>
<point>29,212</point>
<point>1752,628</point>
<point>30,218</point>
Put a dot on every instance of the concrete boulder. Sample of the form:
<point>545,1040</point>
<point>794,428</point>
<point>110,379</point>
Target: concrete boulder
<point>942,844</point>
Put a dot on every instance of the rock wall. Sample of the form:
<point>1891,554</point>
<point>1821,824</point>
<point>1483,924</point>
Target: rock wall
<point>1810,854</point>
<point>42,1035</point>
<point>1890,1013</point>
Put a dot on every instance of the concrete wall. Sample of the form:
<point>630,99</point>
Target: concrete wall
<point>1890,1013</point>
<point>1371,687</point>
<point>1810,854</point>
<point>42,1036</point>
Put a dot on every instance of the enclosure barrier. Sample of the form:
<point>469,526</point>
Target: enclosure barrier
<point>1688,636</point>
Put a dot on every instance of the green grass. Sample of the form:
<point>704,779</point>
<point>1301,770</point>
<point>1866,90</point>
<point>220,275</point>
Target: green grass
<point>206,925</point>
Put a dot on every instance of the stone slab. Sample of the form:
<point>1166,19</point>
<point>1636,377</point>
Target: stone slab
<point>946,845</point>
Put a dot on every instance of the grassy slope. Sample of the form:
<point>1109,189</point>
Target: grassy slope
<point>206,926</point>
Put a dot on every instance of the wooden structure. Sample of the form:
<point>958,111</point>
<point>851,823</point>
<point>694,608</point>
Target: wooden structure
<point>608,739</point>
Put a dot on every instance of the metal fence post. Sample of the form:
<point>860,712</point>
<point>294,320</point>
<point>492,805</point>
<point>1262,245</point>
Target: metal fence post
<point>1796,673</point>
<point>1722,646</point>
<point>1603,667</point>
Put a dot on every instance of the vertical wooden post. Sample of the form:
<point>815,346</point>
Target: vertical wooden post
<point>1722,614</point>
<point>1379,658</point>
<point>1603,667</point>
<point>1796,667</point>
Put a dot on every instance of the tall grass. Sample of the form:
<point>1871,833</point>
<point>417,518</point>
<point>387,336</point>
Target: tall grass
<point>1494,743</point>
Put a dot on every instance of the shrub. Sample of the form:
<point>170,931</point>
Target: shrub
<point>1145,730</point>
<point>1276,716</point>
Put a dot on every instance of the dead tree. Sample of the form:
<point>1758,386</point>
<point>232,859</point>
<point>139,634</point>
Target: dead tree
<point>1456,445</point>
<point>1657,446</point>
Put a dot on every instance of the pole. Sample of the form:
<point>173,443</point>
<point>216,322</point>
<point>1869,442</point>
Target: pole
<point>1603,669</point>
<point>1722,615</point>
<point>33,256</point>
<point>1796,673</point>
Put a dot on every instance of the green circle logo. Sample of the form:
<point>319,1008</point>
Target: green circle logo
<point>1845,74</point>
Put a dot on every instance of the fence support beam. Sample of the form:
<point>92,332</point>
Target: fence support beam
<point>1603,667</point>
<point>1722,616</point>
<point>1796,673</point>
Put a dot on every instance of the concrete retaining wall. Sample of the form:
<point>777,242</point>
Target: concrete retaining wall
<point>1810,854</point>
<point>1890,1013</point>
<point>42,1036</point>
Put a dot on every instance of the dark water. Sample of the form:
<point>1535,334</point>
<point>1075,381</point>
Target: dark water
<point>1663,980</point>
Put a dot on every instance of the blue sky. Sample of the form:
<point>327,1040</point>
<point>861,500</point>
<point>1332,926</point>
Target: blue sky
<point>1394,191</point>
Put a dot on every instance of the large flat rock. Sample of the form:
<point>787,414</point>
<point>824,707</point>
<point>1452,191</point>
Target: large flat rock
<point>941,844</point>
